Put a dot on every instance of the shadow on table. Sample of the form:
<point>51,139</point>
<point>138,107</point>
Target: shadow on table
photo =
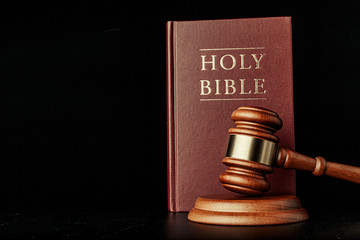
<point>178,227</point>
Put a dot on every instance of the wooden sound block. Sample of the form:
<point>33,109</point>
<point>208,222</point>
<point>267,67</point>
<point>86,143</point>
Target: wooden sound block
<point>237,210</point>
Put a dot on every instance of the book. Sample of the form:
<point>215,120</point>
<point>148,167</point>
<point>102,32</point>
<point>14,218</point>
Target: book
<point>214,67</point>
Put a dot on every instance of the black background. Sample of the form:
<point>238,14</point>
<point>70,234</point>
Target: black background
<point>83,100</point>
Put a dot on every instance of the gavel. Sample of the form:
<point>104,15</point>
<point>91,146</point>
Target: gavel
<point>253,151</point>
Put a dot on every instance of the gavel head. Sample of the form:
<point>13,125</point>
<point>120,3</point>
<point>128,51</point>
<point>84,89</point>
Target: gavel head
<point>252,150</point>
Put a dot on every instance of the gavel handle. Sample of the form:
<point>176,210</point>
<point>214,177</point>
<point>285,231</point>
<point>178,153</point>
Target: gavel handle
<point>318,166</point>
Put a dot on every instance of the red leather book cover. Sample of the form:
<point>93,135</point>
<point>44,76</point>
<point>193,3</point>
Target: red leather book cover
<point>214,67</point>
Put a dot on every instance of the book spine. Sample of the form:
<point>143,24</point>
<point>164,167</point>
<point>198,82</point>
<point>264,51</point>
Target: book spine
<point>170,118</point>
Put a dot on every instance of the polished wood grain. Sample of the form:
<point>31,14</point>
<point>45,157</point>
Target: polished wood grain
<point>287,158</point>
<point>238,210</point>
<point>258,122</point>
<point>245,177</point>
<point>248,177</point>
